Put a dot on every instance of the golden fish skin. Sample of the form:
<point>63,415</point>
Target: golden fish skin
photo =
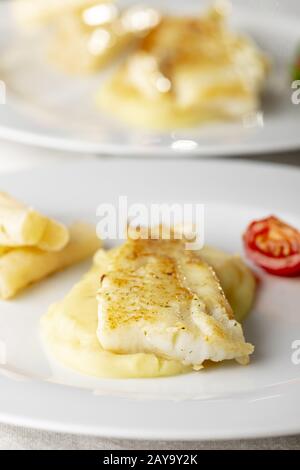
<point>158,297</point>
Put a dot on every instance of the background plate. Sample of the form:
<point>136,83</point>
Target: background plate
<point>222,402</point>
<point>47,108</point>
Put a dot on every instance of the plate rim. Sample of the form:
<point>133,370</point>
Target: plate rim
<point>81,146</point>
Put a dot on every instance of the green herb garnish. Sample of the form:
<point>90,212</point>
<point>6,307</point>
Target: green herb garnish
<point>296,67</point>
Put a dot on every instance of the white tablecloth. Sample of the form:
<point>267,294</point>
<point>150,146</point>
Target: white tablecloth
<point>16,157</point>
<point>16,438</point>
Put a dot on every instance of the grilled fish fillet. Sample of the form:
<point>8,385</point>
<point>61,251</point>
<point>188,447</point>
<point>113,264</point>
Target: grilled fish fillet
<point>188,70</point>
<point>237,280</point>
<point>89,43</point>
<point>158,297</point>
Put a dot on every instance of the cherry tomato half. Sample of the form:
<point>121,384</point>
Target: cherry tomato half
<point>274,246</point>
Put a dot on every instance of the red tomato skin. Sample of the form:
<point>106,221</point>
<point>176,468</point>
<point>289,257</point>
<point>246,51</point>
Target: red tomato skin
<point>264,262</point>
<point>285,266</point>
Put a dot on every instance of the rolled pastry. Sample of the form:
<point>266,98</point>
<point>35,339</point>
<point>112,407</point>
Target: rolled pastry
<point>21,225</point>
<point>20,267</point>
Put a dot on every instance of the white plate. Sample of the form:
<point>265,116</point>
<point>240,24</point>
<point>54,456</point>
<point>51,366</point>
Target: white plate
<point>46,108</point>
<point>224,402</point>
